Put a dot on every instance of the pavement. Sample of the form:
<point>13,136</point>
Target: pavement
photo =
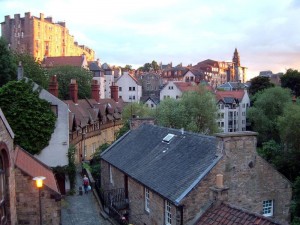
<point>82,209</point>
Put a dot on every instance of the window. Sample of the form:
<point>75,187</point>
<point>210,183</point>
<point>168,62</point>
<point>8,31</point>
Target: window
<point>168,215</point>
<point>152,106</point>
<point>3,193</point>
<point>268,208</point>
<point>133,97</point>
<point>133,88</point>
<point>147,200</point>
<point>120,88</point>
<point>170,87</point>
<point>110,175</point>
<point>129,88</point>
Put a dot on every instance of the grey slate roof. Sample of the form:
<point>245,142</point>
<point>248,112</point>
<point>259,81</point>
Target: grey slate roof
<point>170,170</point>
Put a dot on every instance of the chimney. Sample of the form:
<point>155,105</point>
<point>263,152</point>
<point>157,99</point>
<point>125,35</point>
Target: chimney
<point>95,90</point>
<point>73,90</point>
<point>20,71</point>
<point>114,90</point>
<point>53,86</point>
<point>219,193</point>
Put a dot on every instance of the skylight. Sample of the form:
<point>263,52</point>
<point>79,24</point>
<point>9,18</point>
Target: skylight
<point>168,138</point>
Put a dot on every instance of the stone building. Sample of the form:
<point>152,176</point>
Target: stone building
<point>8,210</point>
<point>167,176</point>
<point>40,37</point>
<point>93,122</point>
<point>19,196</point>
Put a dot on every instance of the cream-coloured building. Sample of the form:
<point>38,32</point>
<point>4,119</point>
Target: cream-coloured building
<point>40,37</point>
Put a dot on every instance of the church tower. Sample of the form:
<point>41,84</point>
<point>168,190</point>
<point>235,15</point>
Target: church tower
<point>236,58</point>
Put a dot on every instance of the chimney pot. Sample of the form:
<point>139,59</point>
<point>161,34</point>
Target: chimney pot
<point>219,181</point>
<point>73,89</point>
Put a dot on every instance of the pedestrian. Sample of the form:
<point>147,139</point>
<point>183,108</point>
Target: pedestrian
<point>85,184</point>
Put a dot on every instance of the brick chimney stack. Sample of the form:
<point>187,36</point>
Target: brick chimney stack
<point>95,90</point>
<point>114,90</point>
<point>53,86</point>
<point>73,90</point>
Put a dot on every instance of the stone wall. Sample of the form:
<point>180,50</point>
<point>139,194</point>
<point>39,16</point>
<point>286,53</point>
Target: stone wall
<point>250,179</point>
<point>7,150</point>
<point>28,202</point>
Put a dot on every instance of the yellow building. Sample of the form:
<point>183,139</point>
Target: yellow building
<point>41,37</point>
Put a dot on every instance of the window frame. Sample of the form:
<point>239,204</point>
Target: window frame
<point>147,200</point>
<point>168,214</point>
<point>268,208</point>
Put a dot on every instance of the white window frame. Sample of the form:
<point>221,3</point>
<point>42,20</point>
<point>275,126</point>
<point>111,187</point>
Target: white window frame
<point>147,199</point>
<point>268,208</point>
<point>168,214</point>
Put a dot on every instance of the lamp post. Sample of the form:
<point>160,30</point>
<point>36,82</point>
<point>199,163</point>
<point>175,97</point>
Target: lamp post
<point>39,184</point>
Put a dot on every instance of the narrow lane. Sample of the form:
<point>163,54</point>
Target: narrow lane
<point>81,209</point>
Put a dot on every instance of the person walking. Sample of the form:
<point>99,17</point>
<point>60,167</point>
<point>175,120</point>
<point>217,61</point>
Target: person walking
<point>85,184</point>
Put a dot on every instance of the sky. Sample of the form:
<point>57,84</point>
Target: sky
<point>266,33</point>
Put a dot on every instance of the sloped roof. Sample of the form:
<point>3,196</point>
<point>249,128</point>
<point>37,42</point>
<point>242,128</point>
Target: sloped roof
<point>93,66</point>
<point>233,85</point>
<point>33,167</point>
<point>169,169</point>
<point>221,95</point>
<point>88,110</point>
<point>226,214</point>
<point>186,86</point>
<point>63,61</point>
<point>2,117</point>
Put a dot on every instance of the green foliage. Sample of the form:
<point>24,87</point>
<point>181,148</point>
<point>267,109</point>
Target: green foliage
<point>291,80</point>
<point>95,166</point>
<point>195,111</point>
<point>259,83</point>
<point>296,201</point>
<point>137,109</point>
<point>268,106</point>
<point>170,113</point>
<point>71,168</point>
<point>33,69</point>
<point>150,66</point>
<point>122,131</point>
<point>8,67</point>
<point>30,117</point>
<point>64,76</point>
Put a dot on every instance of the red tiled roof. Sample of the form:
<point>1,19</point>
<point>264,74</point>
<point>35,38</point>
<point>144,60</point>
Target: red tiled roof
<point>63,61</point>
<point>33,167</point>
<point>234,94</point>
<point>225,214</point>
<point>186,86</point>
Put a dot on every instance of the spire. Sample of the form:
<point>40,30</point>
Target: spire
<point>236,58</point>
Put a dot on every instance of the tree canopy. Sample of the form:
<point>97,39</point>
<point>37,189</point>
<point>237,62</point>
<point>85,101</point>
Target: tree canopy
<point>196,111</point>
<point>8,67</point>
<point>150,66</point>
<point>30,117</point>
<point>259,83</point>
<point>291,80</point>
<point>64,75</point>
<point>32,69</point>
<point>268,106</point>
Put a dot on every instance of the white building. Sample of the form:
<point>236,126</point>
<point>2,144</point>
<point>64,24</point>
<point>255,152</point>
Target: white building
<point>129,88</point>
<point>232,107</point>
<point>175,89</point>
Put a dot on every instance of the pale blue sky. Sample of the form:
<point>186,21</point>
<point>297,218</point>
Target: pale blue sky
<point>266,33</point>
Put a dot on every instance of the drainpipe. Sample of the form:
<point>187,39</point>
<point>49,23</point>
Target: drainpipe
<point>181,214</point>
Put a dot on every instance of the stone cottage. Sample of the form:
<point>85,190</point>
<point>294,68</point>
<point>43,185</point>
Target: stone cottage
<point>168,177</point>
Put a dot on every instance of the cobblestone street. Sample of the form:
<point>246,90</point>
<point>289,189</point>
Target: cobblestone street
<point>81,209</point>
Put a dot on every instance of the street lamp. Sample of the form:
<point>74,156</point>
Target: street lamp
<point>39,184</point>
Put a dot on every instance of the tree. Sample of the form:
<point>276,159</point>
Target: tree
<point>268,106</point>
<point>170,113</point>
<point>32,69</point>
<point>291,80</point>
<point>136,109</point>
<point>150,66</point>
<point>65,74</point>
<point>128,67</point>
<point>30,117</point>
<point>8,67</point>
<point>259,83</point>
<point>195,111</point>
